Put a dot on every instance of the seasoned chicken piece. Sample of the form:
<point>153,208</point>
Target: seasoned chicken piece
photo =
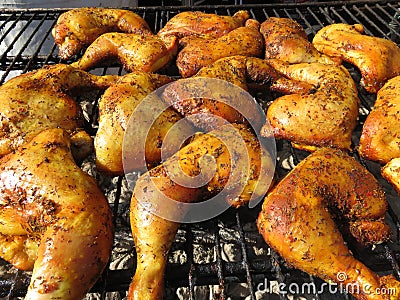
<point>53,218</point>
<point>153,234</point>
<point>78,28</point>
<point>197,23</point>
<point>134,51</point>
<point>325,118</point>
<point>194,97</point>
<point>42,99</point>
<point>297,222</point>
<point>200,52</point>
<point>380,137</point>
<point>286,40</point>
<point>116,107</point>
<point>377,59</point>
<point>391,172</point>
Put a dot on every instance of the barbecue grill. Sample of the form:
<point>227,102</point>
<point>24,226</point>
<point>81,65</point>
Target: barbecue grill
<point>226,257</point>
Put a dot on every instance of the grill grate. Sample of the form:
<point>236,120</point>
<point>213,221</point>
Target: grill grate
<point>227,252</point>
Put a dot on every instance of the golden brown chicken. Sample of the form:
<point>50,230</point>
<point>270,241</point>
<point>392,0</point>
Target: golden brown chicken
<point>153,233</point>
<point>116,107</point>
<point>53,218</point>
<point>391,172</point>
<point>134,51</point>
<point>297,222</point>
<point>42,99</point>
<point>286,40</point>
<point>78,28</point>
<point>377,59</point>
<point>325,118</point>
<point>195,97</point>
<point>197,23</point>
<point>380,137</point>
<point>200,52</point>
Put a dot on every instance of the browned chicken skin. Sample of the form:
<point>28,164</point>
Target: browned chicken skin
<point>325,118</point>
<point>391,172</point>
<point>134,51</point>
<point>200,52</point>
<point>78,28</point>
<point>286,40</point>
<point>42,99</point>
<point>153,234</point>
<point>53,218</point>
<point>194,98</point>
<point>296,221</point>
<point>377,59</point>
<point>380,137</point>
<point>197,23</point>
<point>116,107</point>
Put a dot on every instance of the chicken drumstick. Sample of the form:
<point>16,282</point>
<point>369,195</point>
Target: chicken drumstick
<point>78,28</point>
<point>153,234</point>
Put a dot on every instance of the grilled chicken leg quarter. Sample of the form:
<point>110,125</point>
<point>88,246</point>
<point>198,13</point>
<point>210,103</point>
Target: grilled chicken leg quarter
<point>53,218</point>
<point>42,99</point>
<point>116,107</point>
<point>134,51</point>
<point>197,23</point>
<point>377,59</point>
<point>296,219</point>
<point>325,118</point>
<point>380,137</point>
<point>199,52</point>
<point>286,40</point>
<point>153,234</point>
<point>78,28</point>
<point>194,98</point>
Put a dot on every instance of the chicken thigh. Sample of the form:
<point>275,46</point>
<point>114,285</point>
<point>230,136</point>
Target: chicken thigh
<point>42,99</point>
<point>325,118</point>
<point>286,40</point>
<point>377,59</point>
<point>157,190</point>
<point>197,23</point>
<point>78,28</point>
<point>199,52</point>
<point>297,220</point>
<point>53,218</point>
<point>116,107</point>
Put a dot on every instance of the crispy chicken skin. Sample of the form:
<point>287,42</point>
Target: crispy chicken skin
<point>153,234</point>
<point>53,218</point>
<point>377,59</point>
<point>297,222</point>
<point>286,40</point>
<point>238,70</point>
<point>380,140</point>
<point>42,99</point>
<point>200,52</point>
<point>78,28</point>
<point>116,106</point>
<point>197,23</point>
<point>391,172</point>
<point>134,51</point>
<point>325,118</point>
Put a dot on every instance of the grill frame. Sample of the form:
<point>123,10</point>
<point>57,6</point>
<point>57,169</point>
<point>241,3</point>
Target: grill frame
<point>252,270</point>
